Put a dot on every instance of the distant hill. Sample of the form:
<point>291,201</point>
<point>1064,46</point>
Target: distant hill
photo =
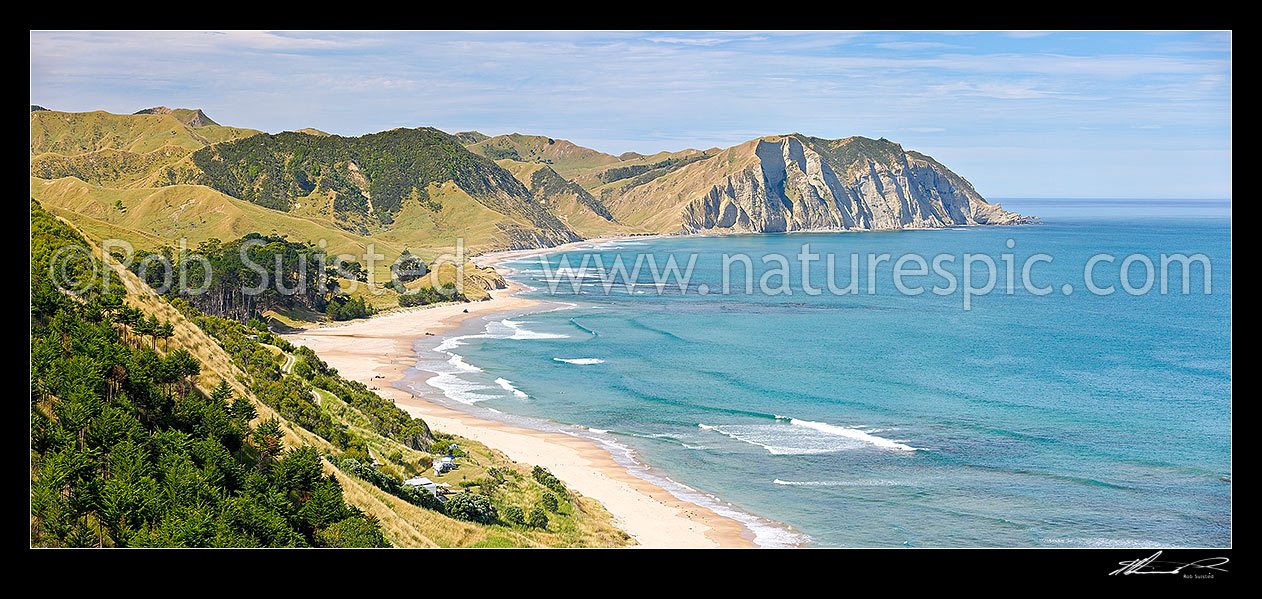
<point>374,176</point>
<point>193,117</point>
<point>577,208</point>
<point>470,137</point>
<point>425,190</point>
<point>563,156</point>
<point>71,133</point>
<point>117,150</point>
<point>37,108</point>
<point>796,183</point>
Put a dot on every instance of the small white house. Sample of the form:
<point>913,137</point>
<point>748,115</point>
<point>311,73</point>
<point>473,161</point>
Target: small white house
<point>444,464</point>
<point>437,489</point>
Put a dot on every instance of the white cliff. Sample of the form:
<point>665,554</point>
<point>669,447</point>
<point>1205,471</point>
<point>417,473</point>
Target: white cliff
<point>800,183</point>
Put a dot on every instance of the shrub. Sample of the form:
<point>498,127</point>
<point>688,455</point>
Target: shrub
<point>303,370</point>
<point>550,502</point>
<point>489,484</point>
<point>408,267</point>
<point>340,308</point>
<point>548,480</point>
<point>446,447</point>
<point>472,507</point>
<point>355,453</point>
<point>514,514</point>
<point>538,518</point>
<point>390,471</point>
<point>393,486</point>
<point>352,532</point>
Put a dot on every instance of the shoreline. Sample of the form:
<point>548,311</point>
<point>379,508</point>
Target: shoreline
<point>380,349</point>
<point>492,259</point>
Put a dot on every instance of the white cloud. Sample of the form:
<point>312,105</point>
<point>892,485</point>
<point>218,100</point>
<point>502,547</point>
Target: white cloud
<point>1026,34</point>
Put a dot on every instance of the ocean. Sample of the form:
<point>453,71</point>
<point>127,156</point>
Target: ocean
<point>1031,415</point>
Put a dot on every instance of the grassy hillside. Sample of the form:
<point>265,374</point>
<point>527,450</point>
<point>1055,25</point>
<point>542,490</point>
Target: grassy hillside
<point>575,206</point>
<point>72,133</point>
<point>193,117</point>
<point>650,197</point>
<point>370,175</point>
<point>563,156</point>
<point>150,218</point>
<point>108,167</point>
<point>418,189</point>
<point>321,421</point>
<point>166,173</point>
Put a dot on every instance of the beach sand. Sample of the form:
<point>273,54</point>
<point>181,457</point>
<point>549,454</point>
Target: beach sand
<point>377,351</point>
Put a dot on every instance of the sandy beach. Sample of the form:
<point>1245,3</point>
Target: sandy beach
<point>377,351</point>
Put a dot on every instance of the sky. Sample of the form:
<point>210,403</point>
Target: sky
<point>1019,114</point>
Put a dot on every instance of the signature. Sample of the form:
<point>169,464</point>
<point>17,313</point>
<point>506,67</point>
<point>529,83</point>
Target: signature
<point>1151,565</point>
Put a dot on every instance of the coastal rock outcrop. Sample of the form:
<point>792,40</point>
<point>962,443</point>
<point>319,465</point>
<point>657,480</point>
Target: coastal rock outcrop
<point>798,183</point>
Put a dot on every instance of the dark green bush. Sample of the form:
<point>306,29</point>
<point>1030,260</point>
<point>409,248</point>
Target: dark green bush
<point>472,507</point>
<point>550,502</point>
<point>538,518</point>
<point>548,480</point>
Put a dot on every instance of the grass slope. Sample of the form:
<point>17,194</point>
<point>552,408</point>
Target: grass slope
<point>580,521</point>
<point>563,156</point>
<point>72,133</point>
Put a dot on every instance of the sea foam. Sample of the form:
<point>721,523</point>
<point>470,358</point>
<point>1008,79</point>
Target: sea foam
<point>792,436</point>
<point>508,386</point>
<point>580,361</point>
<point>520,332</point>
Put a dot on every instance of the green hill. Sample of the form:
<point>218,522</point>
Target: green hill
<point>580,210</point>
<point>106,167</point>
<point>406,188</point>
<point>372,176</point>
<point>428,191</point>
<point>156,425</point>
<point>471,137</point>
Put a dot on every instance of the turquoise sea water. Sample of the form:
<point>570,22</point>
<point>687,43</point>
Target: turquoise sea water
<point>887,419</point>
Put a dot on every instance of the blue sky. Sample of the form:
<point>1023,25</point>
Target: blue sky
<point>1019,114</point>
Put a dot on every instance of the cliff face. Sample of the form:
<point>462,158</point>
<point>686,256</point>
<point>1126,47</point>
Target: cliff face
<point>797,183</point>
